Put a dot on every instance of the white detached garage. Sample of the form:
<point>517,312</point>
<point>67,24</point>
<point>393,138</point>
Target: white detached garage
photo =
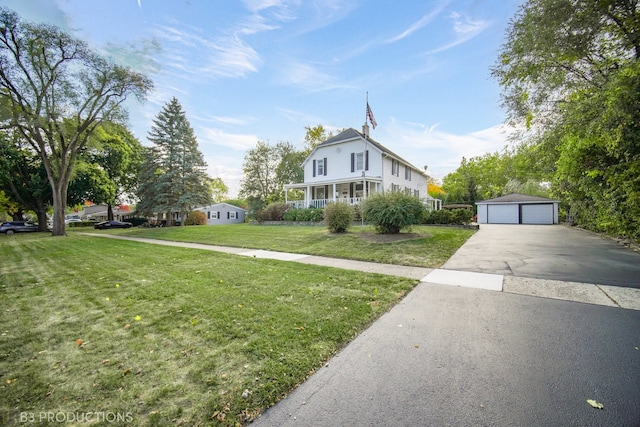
<point>518,209</point>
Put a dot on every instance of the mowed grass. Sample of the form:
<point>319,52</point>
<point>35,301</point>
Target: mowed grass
<point>433,249</point>
<point>173,336</point>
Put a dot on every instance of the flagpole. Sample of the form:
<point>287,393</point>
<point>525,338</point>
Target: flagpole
<point>364,153</point>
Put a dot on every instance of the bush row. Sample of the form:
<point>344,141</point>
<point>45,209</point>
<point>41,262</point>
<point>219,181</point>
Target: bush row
<point>445,216</point>
<point>389,212</point>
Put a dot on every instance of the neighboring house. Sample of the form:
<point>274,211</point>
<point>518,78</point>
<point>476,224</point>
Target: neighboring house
<point>351,166</point>
<point>223,213</point>
<point>99,213</point>
<point>518,209</point>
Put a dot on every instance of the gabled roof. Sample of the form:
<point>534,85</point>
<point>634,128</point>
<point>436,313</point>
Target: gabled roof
<point>351,134</point>
<point>222,204</point>
<point>518,198</point>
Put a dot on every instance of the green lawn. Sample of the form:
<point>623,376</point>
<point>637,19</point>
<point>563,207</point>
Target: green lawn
<point>174,336</point>
<point>432,250</point>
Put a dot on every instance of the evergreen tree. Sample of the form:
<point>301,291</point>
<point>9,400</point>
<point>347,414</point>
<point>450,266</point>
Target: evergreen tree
<point>174,177</point>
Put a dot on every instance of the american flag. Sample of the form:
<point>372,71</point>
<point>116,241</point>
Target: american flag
<point>370,116</point>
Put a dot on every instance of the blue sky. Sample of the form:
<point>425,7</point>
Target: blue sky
<point>255,70</point>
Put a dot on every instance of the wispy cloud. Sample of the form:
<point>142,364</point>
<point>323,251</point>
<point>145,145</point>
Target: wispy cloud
<point>236,121</point>
<point>239,142</point>
<point>442,151</point>
<point>203,58</point>
<point>464,29</point>
<point>309,77</point>
<point>422,22</point>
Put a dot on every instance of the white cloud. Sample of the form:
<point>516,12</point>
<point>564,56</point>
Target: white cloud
<point>425,20</point>
<point>224,169</point>
<point>237,121</point>
<point>259,5</point>
<point>309,77</point>
<point>202,57</point>
<point>239,142</point>
<point>464,29</point>
<point>442,151</point>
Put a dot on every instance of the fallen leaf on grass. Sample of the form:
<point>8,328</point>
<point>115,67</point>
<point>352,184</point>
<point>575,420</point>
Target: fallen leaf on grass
<point>79,341</point>
<point>595,404</point>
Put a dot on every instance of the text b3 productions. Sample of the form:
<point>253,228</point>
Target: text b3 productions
<point>73,417</point>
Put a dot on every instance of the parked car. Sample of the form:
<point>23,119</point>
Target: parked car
<point>11,227</point>
<point>106,225</point>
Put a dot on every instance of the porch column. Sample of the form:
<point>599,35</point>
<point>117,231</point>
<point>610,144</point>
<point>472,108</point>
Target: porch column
<point>334,192</point>
<point>307,196</point>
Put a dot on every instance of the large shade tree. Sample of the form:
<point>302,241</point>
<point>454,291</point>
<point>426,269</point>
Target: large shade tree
<point>108,167</point>
<point>570,71</point>
<point>56,91</point>
<point>173,177</point>
<point>23,179</point>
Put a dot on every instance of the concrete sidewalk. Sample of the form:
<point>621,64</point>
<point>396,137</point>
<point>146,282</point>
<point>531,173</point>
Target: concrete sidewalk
<point>611,296</point>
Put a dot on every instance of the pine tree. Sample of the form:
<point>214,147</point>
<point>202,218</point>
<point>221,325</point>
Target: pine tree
<point>175,166</point>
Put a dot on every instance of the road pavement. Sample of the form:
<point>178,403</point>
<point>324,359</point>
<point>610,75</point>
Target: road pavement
<point>456,356</point>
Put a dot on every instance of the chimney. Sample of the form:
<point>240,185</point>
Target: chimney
<point>365,130</point>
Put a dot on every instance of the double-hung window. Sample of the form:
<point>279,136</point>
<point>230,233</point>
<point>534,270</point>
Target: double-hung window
<point>359,161</point>
<point>395,167</point>
<point>320,167</point>
<point>407,173</point>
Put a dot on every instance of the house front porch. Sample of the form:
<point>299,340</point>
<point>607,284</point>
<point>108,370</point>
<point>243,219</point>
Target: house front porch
<point>320,194</point>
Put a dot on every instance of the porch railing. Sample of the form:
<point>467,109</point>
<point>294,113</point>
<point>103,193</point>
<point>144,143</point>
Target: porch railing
<point>321,203</point>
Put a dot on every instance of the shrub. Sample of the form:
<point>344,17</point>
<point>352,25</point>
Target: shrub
<point>338,217</point>
<point>291,215</point>
<point>302,215</point>
<point>273,212</point>
<point>196,218</point>
<point>445,216</point>
<point>461,216</point>
<point>392,211</point>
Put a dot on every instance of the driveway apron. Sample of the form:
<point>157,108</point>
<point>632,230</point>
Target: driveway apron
<point>552,252</point>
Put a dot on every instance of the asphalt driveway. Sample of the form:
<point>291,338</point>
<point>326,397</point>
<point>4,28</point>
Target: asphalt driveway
<point>552,252</point>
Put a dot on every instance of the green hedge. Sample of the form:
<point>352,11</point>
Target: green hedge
<point>445,216</point>
<point>304,215</point>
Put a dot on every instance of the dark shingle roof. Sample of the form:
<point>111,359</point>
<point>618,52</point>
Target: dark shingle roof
<point>518,198</point>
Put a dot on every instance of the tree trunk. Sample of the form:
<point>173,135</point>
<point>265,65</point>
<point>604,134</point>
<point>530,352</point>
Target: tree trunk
<point>42,217</point>
<point>109,212</point>
<point>59,208</point>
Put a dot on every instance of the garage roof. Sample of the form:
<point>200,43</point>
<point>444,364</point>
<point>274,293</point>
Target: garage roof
<point>518,198</point>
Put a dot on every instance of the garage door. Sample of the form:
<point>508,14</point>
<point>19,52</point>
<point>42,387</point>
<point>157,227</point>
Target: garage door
<point>502,214</point>
<point>537,214</point>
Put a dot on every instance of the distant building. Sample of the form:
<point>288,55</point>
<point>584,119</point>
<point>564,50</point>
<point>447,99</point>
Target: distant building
<point>223,213</point>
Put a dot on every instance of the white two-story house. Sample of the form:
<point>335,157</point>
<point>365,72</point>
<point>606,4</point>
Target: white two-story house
<point>351,166</point>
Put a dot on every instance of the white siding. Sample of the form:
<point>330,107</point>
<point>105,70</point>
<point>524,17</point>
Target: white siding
<point>482,214</point>
<point>339,161</point>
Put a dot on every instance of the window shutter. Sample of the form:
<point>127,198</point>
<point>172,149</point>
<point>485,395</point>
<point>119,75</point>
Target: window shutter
<point>353,162</point>
<point>325,166</point>
<point>314,168</point>
<point>208,214</point>
<point>366,160</point>
<point>228,214</point>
